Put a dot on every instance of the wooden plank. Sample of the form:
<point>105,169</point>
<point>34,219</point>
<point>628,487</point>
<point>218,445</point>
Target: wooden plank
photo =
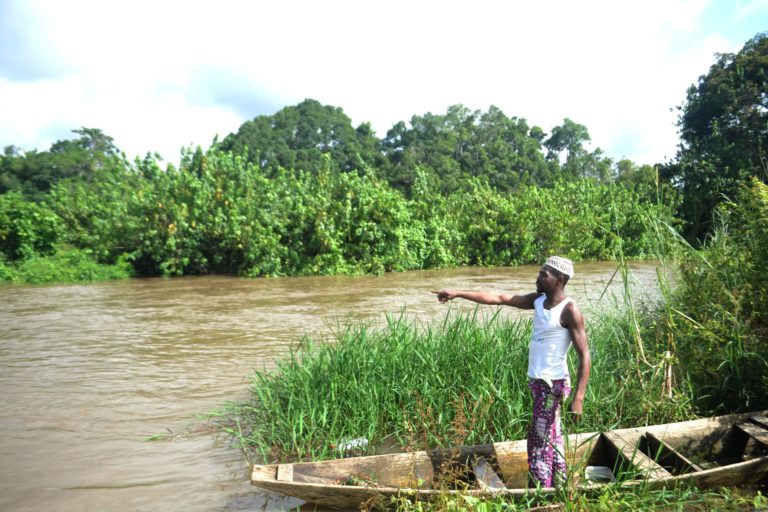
<point>647,466</point>
<point>412,469</point>
<point>310,479</point>
<point>760,420</point>
<point>669,454</point>
<point>285,472</point>
<point>758,433</point>
<point>486,477</point>
<point>264,472</point>
<point>512,460</point>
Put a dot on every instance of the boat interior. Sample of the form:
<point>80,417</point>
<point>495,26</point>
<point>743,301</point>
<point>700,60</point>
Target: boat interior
<point>645,453</point>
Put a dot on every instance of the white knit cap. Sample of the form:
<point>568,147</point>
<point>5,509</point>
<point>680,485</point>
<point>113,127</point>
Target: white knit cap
<point>563,265</point>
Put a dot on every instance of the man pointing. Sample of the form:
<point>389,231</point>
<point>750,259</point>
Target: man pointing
<point>557,324</point>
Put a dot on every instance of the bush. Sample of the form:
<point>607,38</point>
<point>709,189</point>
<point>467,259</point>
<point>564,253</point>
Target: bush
<point>27,229</point>
<point>716,319</point>
<point>66,266</point>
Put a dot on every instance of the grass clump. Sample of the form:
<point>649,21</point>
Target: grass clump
<point>64,266</point>
<point>407,384</point>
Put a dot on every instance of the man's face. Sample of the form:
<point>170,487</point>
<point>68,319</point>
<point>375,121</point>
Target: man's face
<point>546,280</point>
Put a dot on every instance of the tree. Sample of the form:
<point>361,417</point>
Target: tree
<point>461,144</point>
<point>578,162</point>
<point>724,132</point>
<point>11,162</point>
<point>570,137</point>
<point>85,158</point>
<point>508,151</point>
<point>297,137</point>
<point>432,144</point>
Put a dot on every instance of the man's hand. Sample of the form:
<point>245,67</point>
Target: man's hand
<point>576,407</point>
<point>445,295</point>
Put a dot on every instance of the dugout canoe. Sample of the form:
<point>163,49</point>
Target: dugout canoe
<point>724,450</point>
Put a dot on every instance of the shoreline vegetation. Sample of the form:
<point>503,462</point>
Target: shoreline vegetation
<point>304,192</point>
<point>228,216</point>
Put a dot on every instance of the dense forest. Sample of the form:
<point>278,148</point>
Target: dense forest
<point>303,191</point>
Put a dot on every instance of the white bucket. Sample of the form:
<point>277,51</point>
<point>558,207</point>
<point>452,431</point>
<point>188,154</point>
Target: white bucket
<point>599,474</point>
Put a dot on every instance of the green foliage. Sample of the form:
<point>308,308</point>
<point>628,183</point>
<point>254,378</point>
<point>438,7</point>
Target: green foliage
<point>64,266</point>
<point>578,162</point>
<point>449,148</point>
<point>298,136</point>
<point>101,215</point>
<point>413,386</point>
<point>581,219</point>
<point>609,498</point>
<point>717,315</point>
<point>302,192</point>
<point>724,131</point>
<point>460,381</point>
<point>7,272</point>
<point>220,213</point>
<point>26,228</point>
<point>34,173</point>
<point>213,214</point>
<point>461,144</point>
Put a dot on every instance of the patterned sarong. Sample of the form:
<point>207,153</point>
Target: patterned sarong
<point>546,450</point>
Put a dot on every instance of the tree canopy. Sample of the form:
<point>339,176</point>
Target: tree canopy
<point>33,173</point>
<point>298,136</point>
<point>272,176</point>
<point>448,148</point>
<point>724,132</point>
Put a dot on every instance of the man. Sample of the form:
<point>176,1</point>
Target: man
<point>557,324</point>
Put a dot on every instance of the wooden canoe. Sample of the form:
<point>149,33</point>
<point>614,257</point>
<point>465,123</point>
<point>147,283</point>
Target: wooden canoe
<point>724,450</point>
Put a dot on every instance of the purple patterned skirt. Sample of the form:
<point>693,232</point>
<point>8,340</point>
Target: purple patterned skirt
<point>546,449</point>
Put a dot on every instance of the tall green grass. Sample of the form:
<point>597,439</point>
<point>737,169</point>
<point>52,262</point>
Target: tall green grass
<point>605,499</point>
<point>713,318</point>
<point>407,384</point>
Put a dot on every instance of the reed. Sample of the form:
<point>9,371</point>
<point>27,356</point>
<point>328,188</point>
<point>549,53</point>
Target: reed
<point>711,319</point>
<point>407,384</point>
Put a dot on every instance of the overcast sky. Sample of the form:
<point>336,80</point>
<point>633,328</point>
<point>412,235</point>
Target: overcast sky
<point>161,75</point>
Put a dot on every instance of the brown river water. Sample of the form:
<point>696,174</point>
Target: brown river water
<point>88,372</point>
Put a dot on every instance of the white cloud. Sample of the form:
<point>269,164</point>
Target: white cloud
<point>162,75</point>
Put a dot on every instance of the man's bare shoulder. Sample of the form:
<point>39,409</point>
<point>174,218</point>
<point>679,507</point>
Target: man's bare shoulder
<point>572,313</point>
<point>522,301</point>
<point>572,306</point>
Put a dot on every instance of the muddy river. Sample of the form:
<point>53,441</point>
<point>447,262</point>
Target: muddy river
<point>88,372</point>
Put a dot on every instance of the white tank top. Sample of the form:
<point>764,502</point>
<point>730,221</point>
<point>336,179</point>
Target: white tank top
<point>550,341</point>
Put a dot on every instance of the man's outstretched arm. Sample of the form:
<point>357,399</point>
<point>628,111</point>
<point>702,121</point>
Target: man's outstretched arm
<point>488,298</point>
